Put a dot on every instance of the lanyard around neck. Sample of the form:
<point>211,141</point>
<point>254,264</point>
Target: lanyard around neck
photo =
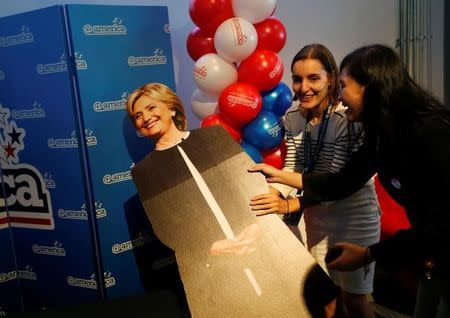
<point>310,160</point>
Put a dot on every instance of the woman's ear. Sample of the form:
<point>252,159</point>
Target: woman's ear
<point>173,113</point>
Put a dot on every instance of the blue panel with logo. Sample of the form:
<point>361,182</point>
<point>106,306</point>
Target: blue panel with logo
<point>117,49</point>
<point>40,161</point>
<point>65,75</point>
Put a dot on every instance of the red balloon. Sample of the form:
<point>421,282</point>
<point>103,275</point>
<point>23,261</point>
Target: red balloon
<point>276,157</point>
<point>240,103</point>
<point>199,43</point>
<point>271,34</point>
<point>215,119</point>
<point>209,14</point>
<point>262,69</point>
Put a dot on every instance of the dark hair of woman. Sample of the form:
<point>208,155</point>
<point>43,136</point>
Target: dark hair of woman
<point>392,100</point>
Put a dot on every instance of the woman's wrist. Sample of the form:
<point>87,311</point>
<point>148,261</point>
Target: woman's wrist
<point>292,205</point>
<point>368,258</point>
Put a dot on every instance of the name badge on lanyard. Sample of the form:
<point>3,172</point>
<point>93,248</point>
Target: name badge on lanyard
<point>311,156</point>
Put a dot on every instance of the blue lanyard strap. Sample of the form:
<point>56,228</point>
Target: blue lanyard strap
<point>310,161</point>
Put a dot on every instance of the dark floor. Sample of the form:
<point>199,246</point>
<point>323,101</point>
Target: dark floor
<point>135,309</point>
<point>394,293</point>
<point>383,312</point>
<point>393,297</point>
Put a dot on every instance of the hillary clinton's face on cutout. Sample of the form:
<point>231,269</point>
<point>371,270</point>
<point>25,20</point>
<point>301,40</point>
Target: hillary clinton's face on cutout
<point>152,117</point>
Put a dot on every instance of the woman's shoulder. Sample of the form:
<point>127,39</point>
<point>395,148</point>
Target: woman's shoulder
<point>293,119</point>
<point>338,119</point>
<point>292,112</point>
<point>339,112</point>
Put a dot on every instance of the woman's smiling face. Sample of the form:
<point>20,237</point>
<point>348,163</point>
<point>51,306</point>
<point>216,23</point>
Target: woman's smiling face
<point>351,95</point>
<point>310,83</point>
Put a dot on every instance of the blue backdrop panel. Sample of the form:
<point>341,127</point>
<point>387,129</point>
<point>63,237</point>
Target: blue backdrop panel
<point>41,163</point>
<point>117,49</point>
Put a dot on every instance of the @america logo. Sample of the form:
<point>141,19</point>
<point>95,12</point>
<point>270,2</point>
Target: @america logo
<point>26,199</point>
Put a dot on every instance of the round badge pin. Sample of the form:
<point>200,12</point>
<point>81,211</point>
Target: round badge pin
<point>396,183</point>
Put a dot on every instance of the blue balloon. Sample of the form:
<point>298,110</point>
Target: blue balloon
<point>265,132</point>
<point>252,152</point>
<point>277,100</point>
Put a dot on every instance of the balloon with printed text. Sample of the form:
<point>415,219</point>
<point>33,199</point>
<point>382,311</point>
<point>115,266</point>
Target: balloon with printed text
<point>212,74</point>
<point>235,39</point>
<point>265,132</point>
<point>263,69</point>
<point>239,104</point>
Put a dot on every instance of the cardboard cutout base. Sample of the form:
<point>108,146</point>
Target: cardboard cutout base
<point>232,263</point>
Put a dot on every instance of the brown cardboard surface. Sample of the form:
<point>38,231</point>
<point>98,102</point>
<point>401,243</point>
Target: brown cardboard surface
<point>269,274</point>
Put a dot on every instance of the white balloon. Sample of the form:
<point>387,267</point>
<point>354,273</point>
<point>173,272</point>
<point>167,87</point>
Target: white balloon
<point>235,39</point>
<point>203,104</point>
<point>254,10</point>
<point>212,74</point>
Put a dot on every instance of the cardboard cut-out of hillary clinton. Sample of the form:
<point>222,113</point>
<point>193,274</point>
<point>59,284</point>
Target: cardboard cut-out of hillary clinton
<point>196,192</point>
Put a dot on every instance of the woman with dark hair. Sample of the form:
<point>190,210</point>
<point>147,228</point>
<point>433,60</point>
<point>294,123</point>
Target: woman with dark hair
<point>406,130</point>
<point>319,139</point>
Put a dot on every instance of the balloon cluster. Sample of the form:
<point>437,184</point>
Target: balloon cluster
<point>238,73</point>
